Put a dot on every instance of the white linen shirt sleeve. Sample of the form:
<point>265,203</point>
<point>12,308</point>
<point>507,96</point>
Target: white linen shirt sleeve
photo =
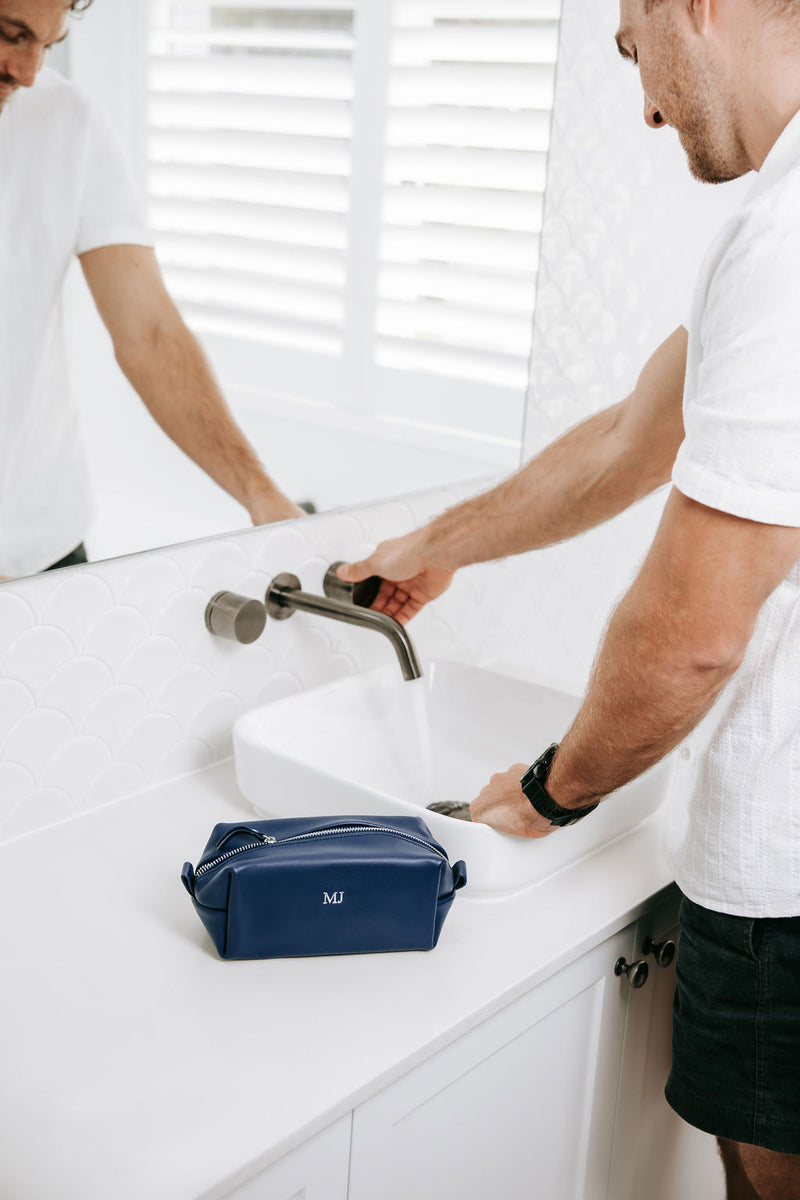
<point>741,452</point>
<point>112,210</point>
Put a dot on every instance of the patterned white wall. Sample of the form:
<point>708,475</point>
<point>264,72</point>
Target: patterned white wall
<point>110,682</point>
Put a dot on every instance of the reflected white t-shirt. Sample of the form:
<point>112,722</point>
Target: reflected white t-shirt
<point>735,840</point>
<point>64,189</point>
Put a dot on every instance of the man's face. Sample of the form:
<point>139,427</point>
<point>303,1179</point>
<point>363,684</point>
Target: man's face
<point>27,29</point>
<point>684,85</point>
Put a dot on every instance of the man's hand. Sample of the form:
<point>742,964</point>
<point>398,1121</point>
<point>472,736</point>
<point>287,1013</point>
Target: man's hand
<point>273,506</point>
<point>503,805</point>
<point>411,578</point>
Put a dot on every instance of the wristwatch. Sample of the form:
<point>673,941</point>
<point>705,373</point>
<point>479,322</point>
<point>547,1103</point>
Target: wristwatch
<point>532,784</point>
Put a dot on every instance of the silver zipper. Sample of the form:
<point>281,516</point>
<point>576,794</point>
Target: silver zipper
<point>214,862</point>
<point>315,833</point>
<point>299,837</point>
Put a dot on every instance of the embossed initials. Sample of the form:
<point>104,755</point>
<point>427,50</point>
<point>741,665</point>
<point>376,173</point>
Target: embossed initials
<point>332,897</point>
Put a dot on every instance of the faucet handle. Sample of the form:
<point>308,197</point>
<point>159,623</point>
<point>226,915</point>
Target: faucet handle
<point>235,617</point>
<point>361,594</point>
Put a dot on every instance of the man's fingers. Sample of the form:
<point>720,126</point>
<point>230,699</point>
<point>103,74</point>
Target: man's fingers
<point>355,572</point>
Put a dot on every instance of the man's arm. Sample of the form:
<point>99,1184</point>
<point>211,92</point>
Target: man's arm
<point>674,641</point>
<point>165,364</point>
<point>587,476</point>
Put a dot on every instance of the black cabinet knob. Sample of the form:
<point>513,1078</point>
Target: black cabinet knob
<point>663,952</point>
<point>637,972</point>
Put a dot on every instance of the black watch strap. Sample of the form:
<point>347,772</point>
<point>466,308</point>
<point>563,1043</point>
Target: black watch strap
<point>532,784</point>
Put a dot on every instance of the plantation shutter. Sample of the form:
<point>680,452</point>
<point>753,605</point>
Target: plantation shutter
<point>249,132</point>
<point>347,197</point>
<point>470,100</point>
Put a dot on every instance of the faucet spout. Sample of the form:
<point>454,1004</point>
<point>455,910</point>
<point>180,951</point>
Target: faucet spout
<point>285,596</point>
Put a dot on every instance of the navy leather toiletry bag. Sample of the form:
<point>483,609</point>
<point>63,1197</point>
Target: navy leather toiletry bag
<point>315,885</point>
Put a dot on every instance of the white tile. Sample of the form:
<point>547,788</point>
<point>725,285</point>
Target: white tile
<point>16,616</point>
<point>43,808</point>
<point>16,700</point>
<point>35,655</point>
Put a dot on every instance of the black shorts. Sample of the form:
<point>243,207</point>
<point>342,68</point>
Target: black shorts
<point>736,1028</point>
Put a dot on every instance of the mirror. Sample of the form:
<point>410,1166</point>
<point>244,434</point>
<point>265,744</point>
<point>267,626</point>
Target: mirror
<point>347,201</point>
<point>349,205</point>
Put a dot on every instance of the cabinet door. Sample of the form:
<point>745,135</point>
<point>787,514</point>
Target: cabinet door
<point>317,1170</point>
<point>656,1154</point>
<point>521,1106</point>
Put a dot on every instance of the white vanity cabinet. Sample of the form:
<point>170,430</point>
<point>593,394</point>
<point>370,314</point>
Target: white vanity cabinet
<point>521,1106</point>
<point>558,1095</point>
<point>561,1094</point>
<point>317,1170</point>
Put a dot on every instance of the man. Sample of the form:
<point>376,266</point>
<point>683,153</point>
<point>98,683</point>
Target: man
<point>717,601</point>
<point>63,191</point>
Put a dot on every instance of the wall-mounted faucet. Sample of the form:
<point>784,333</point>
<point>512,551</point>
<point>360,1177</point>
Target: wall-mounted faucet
<point>242,619</point>
<point>285,597</point>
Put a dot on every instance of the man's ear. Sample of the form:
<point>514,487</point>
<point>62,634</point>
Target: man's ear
<point>703,13</point>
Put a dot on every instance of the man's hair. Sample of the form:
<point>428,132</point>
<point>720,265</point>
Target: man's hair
<point>79,5</point>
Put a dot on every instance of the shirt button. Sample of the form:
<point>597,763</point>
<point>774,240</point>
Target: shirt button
<point>686,753</point>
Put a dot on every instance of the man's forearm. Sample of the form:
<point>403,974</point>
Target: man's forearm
<point>647,692</point>
<point>575,484</point>
<point>589,475</point>
<point>173,378</point>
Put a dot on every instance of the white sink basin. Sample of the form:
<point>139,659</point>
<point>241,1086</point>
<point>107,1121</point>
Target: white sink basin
<point>373,744</point>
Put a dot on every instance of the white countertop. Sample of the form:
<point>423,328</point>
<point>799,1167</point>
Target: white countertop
<point>135,1063</point>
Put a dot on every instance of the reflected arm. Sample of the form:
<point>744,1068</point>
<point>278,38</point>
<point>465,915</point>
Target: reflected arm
<point>165,364</point>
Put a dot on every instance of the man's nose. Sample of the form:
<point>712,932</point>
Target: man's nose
<point>652,116</point>
<point>23,63</point>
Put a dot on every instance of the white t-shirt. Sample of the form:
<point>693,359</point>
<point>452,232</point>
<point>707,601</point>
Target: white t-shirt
<point>64,189</point>
<point>735,841</point>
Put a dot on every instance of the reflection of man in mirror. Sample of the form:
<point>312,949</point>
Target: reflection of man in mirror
<point>715,609</point>
<point>66,191</point>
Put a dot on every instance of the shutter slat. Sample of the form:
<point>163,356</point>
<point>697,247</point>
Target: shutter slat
<point>477,208</point>
<point>252,150</point>
<point>284,189</point>
<point>485,42</point>
<point>439,281</point>
<point>260,114</point>
<point>314,230</point>
<point>456,325</point>
<point>467,167</point>
<point>259,259</point>
<point>260,296</point>
<point>304,78</point>
<point>505,371</point>
<point>482,128</point>
<point>244,325</point>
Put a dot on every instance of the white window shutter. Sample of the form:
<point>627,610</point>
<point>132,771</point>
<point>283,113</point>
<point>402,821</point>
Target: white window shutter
<point>347,197</point>
<point>467,137</point>
<point>249,120</point>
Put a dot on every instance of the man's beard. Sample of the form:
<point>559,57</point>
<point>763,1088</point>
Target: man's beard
<point>713,149</point>
<point>705,163</point>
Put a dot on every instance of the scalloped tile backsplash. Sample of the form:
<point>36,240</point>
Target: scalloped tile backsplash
<point>110,682</point>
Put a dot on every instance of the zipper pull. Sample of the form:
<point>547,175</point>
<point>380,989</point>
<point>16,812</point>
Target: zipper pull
<point>245,831</point>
